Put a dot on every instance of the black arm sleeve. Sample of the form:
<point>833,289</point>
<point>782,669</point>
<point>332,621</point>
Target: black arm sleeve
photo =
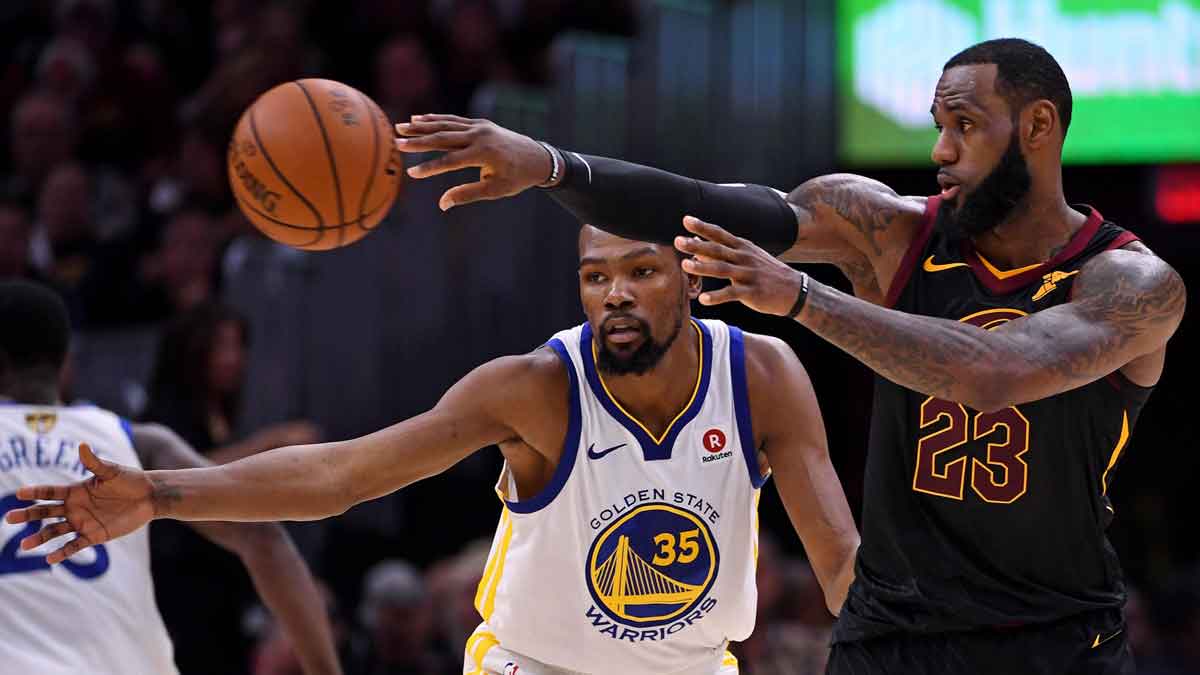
<point>640,202</point>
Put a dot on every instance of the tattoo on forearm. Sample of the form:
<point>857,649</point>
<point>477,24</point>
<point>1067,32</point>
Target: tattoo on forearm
<point>1117,303</point>
<point>929,362</point>
<point>848,197</point>
<point>163,496</point>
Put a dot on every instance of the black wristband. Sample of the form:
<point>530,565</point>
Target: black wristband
<point>640,202</point>
<point>801,298</point>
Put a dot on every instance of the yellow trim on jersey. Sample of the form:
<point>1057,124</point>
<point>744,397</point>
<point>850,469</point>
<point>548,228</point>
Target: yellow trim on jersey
<point>729,660</point>
<point>695,390</point>
<point>485,594</point>
<point>478,645</point>
<point>1116,452</point>
<point>1005,274</point>
<point>757,497</point>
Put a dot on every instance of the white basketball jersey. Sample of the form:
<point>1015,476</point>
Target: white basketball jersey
<point>639,555</point>
<point>95,612</point>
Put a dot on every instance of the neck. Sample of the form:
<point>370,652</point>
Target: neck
<point>30,388</point>
<point>656,397</point>
<point>1036,230</point>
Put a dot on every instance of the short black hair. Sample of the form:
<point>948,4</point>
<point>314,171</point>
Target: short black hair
<point>1025,72</point>
<point>36,327</point>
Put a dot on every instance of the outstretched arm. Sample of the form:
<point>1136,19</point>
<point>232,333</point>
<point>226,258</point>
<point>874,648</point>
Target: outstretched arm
<point>785,413</point>
<point>498,401</point>
<point>1125,305</point>
<point>851,221</point>
<point>279,574</point>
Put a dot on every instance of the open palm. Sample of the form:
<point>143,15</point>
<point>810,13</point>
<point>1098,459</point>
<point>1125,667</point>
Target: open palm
<point>111,504</point>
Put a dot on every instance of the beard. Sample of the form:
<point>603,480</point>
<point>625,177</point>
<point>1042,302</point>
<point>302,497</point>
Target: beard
<point>994,200</point>
<point>642,359</point>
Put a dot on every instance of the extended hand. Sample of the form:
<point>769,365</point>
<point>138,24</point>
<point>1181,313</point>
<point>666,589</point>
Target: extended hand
<point>113,503</point>
<point>757,279</point>
<point>508,162</point>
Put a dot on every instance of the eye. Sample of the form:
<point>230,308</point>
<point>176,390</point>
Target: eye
<point>594,277</point>
<point>964,124</point>
<point>643,272</point>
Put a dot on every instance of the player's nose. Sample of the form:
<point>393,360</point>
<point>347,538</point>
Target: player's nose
<point>944,151</point>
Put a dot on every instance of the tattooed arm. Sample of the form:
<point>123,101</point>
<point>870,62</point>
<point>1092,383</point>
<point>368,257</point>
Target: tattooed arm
<point>1126,304</point>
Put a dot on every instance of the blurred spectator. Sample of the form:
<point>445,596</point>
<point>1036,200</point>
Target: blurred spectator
<point>184,264</point>
<point>64,241</point>
<point>14,241</point>
<point>473,49</point>
<point>453,583</point>
<point>66,70</point>
<point>271,48</point>
<point>195,389</point>
<point>197,381</point>
<point>195,176</point>
<point>398,613</point>
<point>405,80</point>
<point>43,134</point>
<point>274,655</point>
<point>792,627</point>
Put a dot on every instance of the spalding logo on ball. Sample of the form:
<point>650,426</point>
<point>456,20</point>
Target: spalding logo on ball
<point>311,164</point>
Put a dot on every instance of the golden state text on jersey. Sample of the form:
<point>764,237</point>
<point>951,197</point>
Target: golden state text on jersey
<point>639,555</point>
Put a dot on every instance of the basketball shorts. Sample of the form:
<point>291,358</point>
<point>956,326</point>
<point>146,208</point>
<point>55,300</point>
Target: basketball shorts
<point>1093,643</point>
<point>485,656</point>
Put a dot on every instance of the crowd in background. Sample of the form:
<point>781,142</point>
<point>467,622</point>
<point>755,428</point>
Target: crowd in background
<point>113,191</point>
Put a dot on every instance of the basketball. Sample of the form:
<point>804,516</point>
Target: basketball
<point>311,164</point>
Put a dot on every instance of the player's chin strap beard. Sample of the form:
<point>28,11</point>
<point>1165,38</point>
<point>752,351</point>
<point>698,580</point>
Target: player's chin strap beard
<point>643,359</point>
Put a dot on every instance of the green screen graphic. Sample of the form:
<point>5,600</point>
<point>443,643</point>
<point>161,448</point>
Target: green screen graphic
<point>1133,65</point>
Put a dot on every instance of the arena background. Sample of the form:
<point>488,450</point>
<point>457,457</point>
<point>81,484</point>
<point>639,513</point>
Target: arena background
<point>116,114</point>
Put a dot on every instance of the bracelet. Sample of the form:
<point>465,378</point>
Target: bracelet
<point>801,298</point>
<point>554,166</point>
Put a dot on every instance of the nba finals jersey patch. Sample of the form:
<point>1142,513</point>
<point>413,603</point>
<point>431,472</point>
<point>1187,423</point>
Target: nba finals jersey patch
<point>649,570</point>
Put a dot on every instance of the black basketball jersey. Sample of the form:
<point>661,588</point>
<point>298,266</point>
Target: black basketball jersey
<point>974,520</point>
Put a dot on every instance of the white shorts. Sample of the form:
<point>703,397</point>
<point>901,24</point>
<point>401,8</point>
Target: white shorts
<point>485,656</point>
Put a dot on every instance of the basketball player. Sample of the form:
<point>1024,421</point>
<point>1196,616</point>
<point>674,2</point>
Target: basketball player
<point>635,446</point>
<point>96,612</point>
<point>1015,336</point>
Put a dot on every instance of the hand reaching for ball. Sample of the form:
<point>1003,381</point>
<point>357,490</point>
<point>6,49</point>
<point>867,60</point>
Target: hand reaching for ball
<point>508,162</point>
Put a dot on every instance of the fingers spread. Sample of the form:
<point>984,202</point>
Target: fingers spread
<point>426,128</point>
<point>46,493</point>
<point>710,231</point>
<point>444,118</point>
<point>101,469</point>
<point>36,513</point>
<point>442,140</point>
<point>472,192</point>
<point>721,295</point>
<point>710,268</point>
<point>46,534</point>
<point>706,249</point>
<point>71,548</point>
<point>451,161</point>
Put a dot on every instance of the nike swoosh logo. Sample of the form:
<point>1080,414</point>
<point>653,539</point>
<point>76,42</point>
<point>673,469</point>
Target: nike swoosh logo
<point>1097,642</point>
<point>931,266</point>
<point>592,454</point>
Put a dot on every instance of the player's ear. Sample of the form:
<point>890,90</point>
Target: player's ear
<point>1040,124</point>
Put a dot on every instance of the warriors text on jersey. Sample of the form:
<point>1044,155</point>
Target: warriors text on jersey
<point>639,556</point>
<point>94,612</point>
<point>974,519</point>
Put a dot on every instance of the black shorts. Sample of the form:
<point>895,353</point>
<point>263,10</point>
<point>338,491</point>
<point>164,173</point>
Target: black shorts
<point>1089,644</point>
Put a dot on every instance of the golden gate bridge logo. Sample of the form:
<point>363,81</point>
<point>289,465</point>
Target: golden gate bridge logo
<point>652,565</point>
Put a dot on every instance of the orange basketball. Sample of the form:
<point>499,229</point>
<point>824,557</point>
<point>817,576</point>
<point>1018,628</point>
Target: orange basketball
<point>311,164</point>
